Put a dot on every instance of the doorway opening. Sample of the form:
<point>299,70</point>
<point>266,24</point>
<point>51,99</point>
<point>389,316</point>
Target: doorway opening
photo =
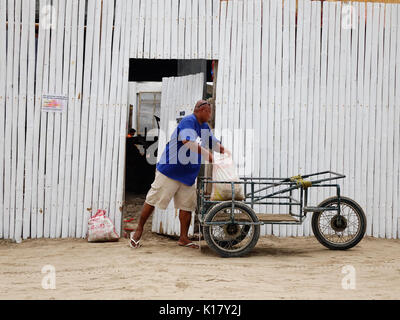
<point>145,94</point>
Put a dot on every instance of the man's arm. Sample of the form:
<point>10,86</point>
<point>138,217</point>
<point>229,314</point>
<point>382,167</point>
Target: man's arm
<point>195,147</point>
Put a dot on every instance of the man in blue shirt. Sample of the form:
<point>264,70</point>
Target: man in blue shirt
<point>177,170</point>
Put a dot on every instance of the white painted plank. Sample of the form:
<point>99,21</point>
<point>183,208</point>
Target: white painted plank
<point>181,29</point>
<point>3,76</point>
<point>195,29</point>
<point>188,30</point>
<point>372,118</point>
<point>78,95</point>
<point>93,108</point>
<point>175,29</point>
<point>148,29</point>
<point>81,210</point>
<point>123,128</point>
<point>22,101</point>
<point>14,134</point>
<point>167,29</point>
<point>202,30</point>
<point>64,118</point>
<point>361,124</point>
<point>142,21</point>
<point>65,209</point>
<point>8,124</point>
<point>154,29</point>
<point>366,91</point>
<point>42,215</point>
<point>217,13</point>
<point>209,30</point>
<point>135,26</point>
<point>390,225</point>
<point>160,29</point>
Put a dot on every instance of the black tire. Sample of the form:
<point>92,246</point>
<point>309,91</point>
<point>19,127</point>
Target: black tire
<point>342,226</point>
<point>220,245</point>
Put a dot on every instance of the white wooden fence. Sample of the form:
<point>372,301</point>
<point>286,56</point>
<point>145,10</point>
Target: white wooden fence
<point>178,93</point>
<point>319,97</point>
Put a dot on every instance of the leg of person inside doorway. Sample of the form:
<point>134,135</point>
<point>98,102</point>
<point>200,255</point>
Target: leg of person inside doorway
<point>184,218</point>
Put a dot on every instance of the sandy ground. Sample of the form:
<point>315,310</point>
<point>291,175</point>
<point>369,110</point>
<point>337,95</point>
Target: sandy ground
<point>277,268</point>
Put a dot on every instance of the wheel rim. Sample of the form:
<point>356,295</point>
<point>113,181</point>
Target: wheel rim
<point>235,236</point>
<point>339,230</point>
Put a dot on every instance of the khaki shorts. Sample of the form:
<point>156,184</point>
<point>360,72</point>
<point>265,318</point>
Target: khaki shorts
<point>163,189</point>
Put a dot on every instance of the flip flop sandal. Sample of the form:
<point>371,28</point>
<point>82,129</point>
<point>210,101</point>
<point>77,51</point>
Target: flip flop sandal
<point>191,245</point>
<point>133,243</point>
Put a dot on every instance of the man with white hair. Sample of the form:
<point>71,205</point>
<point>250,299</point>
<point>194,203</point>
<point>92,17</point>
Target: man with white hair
<point>177,170</point>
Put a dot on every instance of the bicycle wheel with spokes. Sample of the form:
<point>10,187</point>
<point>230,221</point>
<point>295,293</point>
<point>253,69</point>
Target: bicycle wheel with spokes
<point>339,232</point>
<point>231,239</point>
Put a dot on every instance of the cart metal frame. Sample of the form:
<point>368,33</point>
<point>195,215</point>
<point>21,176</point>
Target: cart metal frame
<point>254,186</point>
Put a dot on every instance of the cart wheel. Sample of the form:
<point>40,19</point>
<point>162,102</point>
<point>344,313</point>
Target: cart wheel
<point>339,232</point>
<point>235,239</point>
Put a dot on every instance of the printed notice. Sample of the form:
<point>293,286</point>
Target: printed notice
<point>54,103</point>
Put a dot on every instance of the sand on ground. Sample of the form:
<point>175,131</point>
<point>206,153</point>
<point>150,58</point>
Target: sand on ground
<point>277,268</point>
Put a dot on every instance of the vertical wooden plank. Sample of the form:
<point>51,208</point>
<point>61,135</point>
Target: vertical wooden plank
<point>396,151</point>
<point>78,96</point>
<point>202,30</point>
<point>142,21</point>
<point>195,29</point>
<point>360,188</point>
<point>14,131</point>
<point>112,112</point>
<point>3,76</point>
<point>329,84</point>
<point>175,29</point>
<point>217,13</point>
<point>307,104</point>
<point>188,30</point>
<point>209,30</point>
<point>42,214</point>
<point>22,101</point>
<point>237,133</point>
<point>317,139</point>
<point>28,210</point>
<point>221,70</point>
<point>154,29</point>
<point>104,85</point>
<point>181,29</point>
<point>135,27</point>
<point>292,78</point>
<point>65,209</point>
<point>147,29</point>
<point>64,119</point>
<point>372,118</point>
<point>81,210</point>
<point>242,112</point>
<point>381,121</point>
<point>323,88</point>
<point>285,101</point>
<point>160,29</point>
<point>366,90</point>
<point>229,95</point>
<point>9,117</point>
<point>391,233</point>
<point>352,157</point>
<point>123,126</point>
<point>93,109</point>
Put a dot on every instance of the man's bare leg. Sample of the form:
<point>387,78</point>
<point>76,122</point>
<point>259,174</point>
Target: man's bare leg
<point>184,218</point>
<point>147,210</point>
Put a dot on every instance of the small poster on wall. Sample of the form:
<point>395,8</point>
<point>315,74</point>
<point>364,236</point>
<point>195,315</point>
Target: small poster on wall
<point>54,103</point>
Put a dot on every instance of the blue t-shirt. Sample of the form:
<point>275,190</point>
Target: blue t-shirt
<point>178,162</point>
